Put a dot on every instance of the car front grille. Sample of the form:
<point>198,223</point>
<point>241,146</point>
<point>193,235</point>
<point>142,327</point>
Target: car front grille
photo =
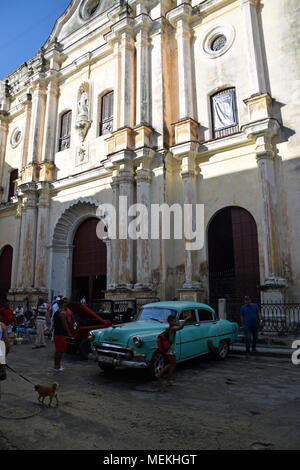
<point>112,350</point>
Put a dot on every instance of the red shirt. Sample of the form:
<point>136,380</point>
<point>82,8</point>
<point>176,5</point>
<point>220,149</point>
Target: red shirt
<point>6,315</point>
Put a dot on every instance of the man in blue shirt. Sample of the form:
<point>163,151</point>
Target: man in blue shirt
<point>250,319</point>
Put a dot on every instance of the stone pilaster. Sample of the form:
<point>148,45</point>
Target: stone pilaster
<point>186,129</point>
<point>256,71</point>
<point>17,235</point>
<point>3,142</point>
<point>127,79</point>
<point>113,254</point>
<point>143,26</point>
<point>189,174</point>
<point>50,118</point>
<point>126,187</point>
<point>26,101</point>
<point>29,196</point>
<point>42,238</point>
<point>273,284</point>
<point>192,288</point>
<point>121,38</point>
<point>36,133</point>
<point>180,18</point>
<point>143,196</point>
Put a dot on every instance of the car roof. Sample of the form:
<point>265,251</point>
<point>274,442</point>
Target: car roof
<point>179,305</point>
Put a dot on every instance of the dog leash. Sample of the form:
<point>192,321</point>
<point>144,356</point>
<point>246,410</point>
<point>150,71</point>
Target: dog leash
<point>24,378</point>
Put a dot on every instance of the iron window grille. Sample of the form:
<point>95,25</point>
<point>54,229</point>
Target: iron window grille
<point>224,113</point>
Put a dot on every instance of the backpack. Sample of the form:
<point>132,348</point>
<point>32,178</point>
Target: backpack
<point>163,341</point>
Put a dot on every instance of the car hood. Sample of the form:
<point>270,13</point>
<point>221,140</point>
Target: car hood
<point>85,313</point>
<point>120,334</point>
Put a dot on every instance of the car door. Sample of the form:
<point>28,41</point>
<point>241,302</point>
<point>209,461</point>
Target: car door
<point>190,335</point>
<point>205,321</point>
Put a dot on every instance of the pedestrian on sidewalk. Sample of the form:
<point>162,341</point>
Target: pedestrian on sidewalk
<point>4,338</point>
<point>171,353</point>
<point>251,319</point>
<point>6,315</point>
<point>61,331</point>
<point>40,324</point>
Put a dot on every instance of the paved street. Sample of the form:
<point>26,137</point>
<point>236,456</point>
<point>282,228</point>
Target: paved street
<point>235,404</point>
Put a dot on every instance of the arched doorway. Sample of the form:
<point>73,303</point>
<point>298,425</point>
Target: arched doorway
<point>233,256</point>
<point>89,262</point>
<point>6,257</point>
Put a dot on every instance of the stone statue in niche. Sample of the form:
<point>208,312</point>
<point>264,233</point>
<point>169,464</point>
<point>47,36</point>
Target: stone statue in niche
<point>83,103</point>
<point>82,122</point>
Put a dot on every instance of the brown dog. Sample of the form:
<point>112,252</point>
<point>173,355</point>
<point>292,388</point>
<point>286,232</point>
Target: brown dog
<point>47,392</point>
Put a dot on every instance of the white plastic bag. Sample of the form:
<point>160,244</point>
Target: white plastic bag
<point>2,353</point>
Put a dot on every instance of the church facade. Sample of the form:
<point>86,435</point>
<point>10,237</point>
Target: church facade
<point>163,102</point>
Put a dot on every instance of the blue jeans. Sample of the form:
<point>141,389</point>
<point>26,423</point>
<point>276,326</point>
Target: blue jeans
<point>251,330</point>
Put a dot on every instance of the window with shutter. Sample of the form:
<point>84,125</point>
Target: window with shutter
<point>12,183</point>
<point>65,131</point>
<point>107,114</point>
<point>224,113</point>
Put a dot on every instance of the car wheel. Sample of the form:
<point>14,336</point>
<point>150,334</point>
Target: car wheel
<point>106,367</point>
<point>223,350</point>
<point>158,362</point>
<point>84,349</point>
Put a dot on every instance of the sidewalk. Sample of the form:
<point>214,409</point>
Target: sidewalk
<point>268,345</point>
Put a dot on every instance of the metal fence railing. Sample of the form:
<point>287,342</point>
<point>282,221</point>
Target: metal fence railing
<point>280,318</point>
<point>120,309</point>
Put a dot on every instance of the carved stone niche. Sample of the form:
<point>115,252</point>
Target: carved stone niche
<point>82,154</point>
<point>83,121</point>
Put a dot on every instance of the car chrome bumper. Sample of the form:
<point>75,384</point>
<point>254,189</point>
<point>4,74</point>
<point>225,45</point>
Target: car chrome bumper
<point>121,362</point>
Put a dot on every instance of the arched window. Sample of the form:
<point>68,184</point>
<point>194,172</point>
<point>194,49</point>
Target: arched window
<point>65,131</point>
<point>224,113</point>
<point>106,113</point>
<point>12,184</point>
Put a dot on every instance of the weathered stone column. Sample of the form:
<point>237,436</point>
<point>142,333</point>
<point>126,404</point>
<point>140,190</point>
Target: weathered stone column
<point>117,83</point>
<point>50,119</point>
<point>28,238</point>
<point>256,71</point>
<point>188,174</point>
<point>42,238</point>
<point>186,129</point>
<point>143,196</point>
<point>143,100</point>
<point>26,101</point>
<point>127,104</point>
<point>3,142</point>
<point>36,133</point>
<point>180,18</point>
<point>259,103</point>
<point>274,283</point>
<point>17,235</point>
<point>121,38</point>
<point>113,254</point>
<point>186,153</point>
<point>126,179</point>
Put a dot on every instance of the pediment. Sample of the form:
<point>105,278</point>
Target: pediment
<point>78,14</point>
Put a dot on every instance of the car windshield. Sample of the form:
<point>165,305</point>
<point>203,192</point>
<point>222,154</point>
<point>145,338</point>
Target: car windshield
<point>156,314</point>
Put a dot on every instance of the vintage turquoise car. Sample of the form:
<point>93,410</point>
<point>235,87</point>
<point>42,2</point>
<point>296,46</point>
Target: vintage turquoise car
<point>134,344</point>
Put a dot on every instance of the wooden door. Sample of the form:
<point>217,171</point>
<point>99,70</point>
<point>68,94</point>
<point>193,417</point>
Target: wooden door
<point>6,258</point>
<point>89,262</point>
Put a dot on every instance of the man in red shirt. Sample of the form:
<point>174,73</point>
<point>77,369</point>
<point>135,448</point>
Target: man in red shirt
<point>6,315</point>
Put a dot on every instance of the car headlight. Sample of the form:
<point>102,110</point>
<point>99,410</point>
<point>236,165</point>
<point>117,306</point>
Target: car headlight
<point>137,341</point>
<point>91,336</point>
